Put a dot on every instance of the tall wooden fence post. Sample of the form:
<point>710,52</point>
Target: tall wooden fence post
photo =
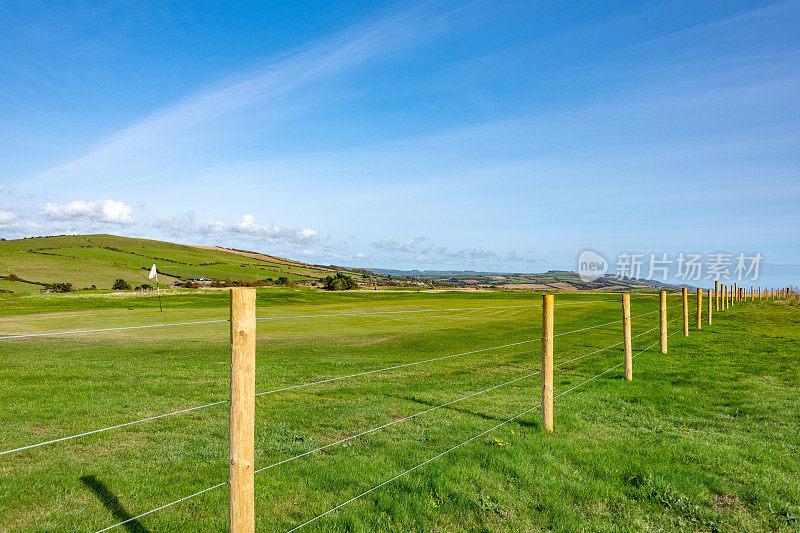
<point>685,312</point>
<point>548,307</point>
<point>241,499</point>
<point>626,334</point>
<point>663,320</point>
<point>699,308</point>
<point>710,307</point>
<point>716,293</point>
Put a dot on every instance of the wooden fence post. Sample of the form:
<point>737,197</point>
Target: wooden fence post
<point>663,320</point>
<point>759,293</point>
<point>716,293</point>
<point>710,307</point>
<point>699,308</point>
<point>685,312</point>
<point>548,307</point>
<point>626,334</point>
<point>241,499</point>
<point>735,292</point>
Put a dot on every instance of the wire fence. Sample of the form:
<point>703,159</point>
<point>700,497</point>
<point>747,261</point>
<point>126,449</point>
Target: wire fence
<point>663,327</point>
<point>318,382</point>
<point>289,317</point>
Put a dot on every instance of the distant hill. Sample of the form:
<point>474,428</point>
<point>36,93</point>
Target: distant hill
<point>554,279</point>
<point>27,265</point>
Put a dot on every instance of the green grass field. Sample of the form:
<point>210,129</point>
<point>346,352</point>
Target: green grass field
<point>705,438</point>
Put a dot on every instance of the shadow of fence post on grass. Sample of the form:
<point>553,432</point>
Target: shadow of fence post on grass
<point>112,503</point>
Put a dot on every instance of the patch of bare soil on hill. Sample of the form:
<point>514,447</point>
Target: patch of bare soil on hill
<point>262,257</point>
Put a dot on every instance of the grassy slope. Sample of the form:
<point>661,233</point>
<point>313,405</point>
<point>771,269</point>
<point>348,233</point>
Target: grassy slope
<point>86,260</point>
<point>704,438</point>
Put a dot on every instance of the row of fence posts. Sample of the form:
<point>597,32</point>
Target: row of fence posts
<point>241,452</point>
<point>722,297</point>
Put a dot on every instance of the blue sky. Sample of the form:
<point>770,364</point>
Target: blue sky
<point>502,136</point>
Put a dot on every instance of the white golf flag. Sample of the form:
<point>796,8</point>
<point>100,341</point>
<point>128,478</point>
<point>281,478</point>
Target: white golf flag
<point>152,272</point>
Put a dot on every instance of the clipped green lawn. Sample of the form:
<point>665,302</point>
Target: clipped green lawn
<point>704,438</point>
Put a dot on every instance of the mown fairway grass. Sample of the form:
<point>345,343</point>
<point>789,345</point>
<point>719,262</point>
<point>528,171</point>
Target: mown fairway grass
<point>704,438</point>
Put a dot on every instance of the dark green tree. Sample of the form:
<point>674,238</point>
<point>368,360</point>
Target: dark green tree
<point>339,282</point>
<point>60,287</point>
<point>121,285</point>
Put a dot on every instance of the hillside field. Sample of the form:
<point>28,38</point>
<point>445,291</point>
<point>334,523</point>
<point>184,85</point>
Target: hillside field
<point>704,438</point>
<point>99,260</point>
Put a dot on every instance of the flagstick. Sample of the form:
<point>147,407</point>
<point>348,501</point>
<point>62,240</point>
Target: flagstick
<point>158,290</point>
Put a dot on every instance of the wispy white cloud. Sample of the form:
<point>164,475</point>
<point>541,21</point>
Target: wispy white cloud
<point>247,225</point>
<point>393,246</point>
<point>211,227</point>
<point>15,223</point>
<point>779,9</point>
<point>185,227</point>
<point>177,226</point>
<point>466,257</point>
<point>108,211</point>
<point>165,128</point>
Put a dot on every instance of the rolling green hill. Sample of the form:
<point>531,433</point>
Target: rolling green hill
<point>27,265</point>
